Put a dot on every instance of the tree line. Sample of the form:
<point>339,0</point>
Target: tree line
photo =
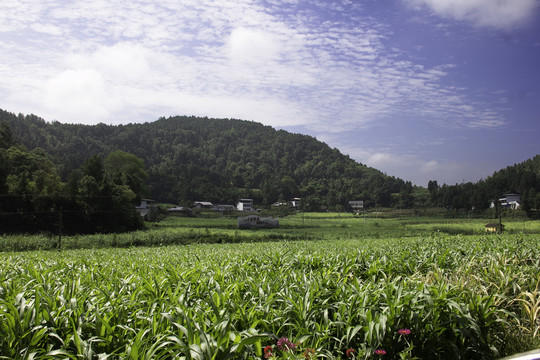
<point>190,159</point>
<point>219,160</point>
<point>97,197</point>
<point>522,179</point>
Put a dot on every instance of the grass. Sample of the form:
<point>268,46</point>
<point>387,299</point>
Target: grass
<point>175,230</point>
<point>326,282</point>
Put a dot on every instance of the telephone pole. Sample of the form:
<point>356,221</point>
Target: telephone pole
<point>60,229</point>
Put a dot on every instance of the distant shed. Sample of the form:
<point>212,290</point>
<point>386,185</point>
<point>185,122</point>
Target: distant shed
<point>255,221</point>
<point>203,205</point>
<point>494,228</point>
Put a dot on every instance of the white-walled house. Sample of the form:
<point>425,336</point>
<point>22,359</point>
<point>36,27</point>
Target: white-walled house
<point>146,206</point>
<point>245,205</point>
<point>512,201</point>
<point>295,203</point>
<point>356,205</point>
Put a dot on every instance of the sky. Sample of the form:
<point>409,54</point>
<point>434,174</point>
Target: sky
<point>445,90</point>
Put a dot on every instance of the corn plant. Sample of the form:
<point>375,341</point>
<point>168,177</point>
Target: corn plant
<point>429,297</point>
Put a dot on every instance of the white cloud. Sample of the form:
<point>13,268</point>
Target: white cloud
<point>76,92</point>
<point>49,29</point>
<point>430,167</point>
<point>501,14</point>
<point>279,65</point>
<point>248,45</point>
<point>124,61</point>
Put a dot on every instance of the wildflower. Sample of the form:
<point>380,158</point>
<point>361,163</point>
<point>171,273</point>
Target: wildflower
<point>350,353</point>
<point>309,353</point>
<point>380,352</point>
<point>404,331</point>
<point>268,352</point>
<point>284,344</point>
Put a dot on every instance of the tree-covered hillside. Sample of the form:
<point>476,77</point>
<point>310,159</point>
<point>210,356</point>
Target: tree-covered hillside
<point>99,197</point>
<point>219,160</point>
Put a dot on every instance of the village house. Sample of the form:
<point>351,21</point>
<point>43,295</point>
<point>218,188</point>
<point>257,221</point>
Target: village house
<point>295,203</point>
<point>203,205</point>
<point>356,205</point>
<point>245,205</point>
<point>146,206</point>
<point>512,201</point>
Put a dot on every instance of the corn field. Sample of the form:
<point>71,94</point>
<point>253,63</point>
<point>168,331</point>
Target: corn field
<point>436,297</point>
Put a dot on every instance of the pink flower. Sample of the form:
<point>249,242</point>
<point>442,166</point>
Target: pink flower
<point>380,352</point>
<point>404,331</point>
<point>350,352</point>
<point>284,344</point>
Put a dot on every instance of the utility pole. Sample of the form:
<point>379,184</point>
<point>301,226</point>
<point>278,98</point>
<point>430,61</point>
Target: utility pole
<point>500,219</point>
<point>60,229</point>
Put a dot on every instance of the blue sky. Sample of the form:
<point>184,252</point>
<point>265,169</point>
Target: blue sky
<point>445,90</point>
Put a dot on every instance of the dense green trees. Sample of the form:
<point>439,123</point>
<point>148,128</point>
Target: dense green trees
<point>124,168</point>
<point>33,197</point>
<point>106,202</point>
<point>219,160</point>
<point>523,179</point>
<point>184,159</point>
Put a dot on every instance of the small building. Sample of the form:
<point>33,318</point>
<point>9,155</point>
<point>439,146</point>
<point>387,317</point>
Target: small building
<point>203,205</point>
<point>146,207</point>
<point>356,205</point>
<point>255,221</point>
<point>245,205</point>
<point>224,208</point>
<point>295,203</point>
<point>512,201</point>
<point>494,228</point>
<point>147,204</point>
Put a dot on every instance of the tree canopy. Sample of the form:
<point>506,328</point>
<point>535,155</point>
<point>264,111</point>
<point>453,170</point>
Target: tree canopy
<point>34,198</point>
<point>183,159</point>
<point>221,160</point>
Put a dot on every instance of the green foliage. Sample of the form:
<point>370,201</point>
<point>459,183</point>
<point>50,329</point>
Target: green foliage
<point>33,198</point>
<point>220,160</point>
<point>523,178</point>
<point>6,136</point>
<point>460,297</point>
<point>127,169</point>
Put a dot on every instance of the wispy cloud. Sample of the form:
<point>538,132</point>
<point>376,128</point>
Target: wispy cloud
<point>282,64</point>
<point>499,14</point>
<point>413,167</point>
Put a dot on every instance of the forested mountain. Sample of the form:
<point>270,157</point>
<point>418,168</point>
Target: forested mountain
<point>219,160</point>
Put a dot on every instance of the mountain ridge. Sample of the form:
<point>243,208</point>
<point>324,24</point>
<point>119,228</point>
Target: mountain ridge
<point>192,158</point>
